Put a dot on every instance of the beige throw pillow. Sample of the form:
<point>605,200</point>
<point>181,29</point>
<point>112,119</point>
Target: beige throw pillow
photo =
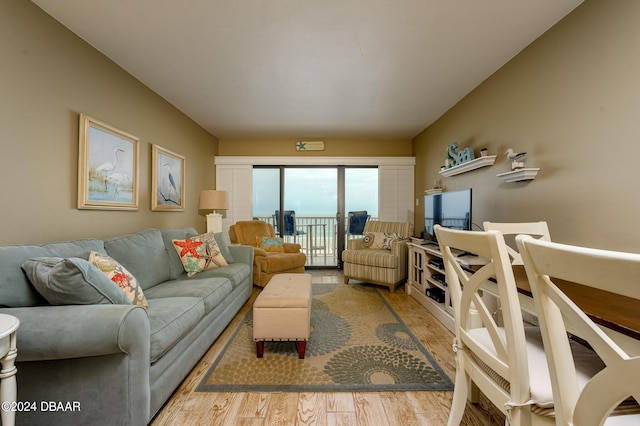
<point>379,240</point>
<point>120,276</point>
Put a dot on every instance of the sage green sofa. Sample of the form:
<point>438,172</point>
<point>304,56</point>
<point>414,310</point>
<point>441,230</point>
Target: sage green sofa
<point>118,363</point>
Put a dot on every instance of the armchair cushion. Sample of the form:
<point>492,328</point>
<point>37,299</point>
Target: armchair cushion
<point>371,257</point>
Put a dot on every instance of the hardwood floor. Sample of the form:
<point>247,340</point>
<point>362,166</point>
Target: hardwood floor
<point>187,407</point>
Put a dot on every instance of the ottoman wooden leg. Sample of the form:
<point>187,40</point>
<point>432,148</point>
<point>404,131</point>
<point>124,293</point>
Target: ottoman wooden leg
<point>260,348</point>
<point>302,346</point>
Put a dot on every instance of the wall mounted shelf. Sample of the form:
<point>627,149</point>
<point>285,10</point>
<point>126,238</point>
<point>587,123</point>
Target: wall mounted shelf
<point>519,175</point>
<point>469,165</point>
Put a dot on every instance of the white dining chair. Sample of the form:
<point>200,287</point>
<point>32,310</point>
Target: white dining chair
<point>505,363</point>
<point>536,229</point>
<point>584,401</point>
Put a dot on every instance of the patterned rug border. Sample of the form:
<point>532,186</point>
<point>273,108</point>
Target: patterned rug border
<point>338,387</point>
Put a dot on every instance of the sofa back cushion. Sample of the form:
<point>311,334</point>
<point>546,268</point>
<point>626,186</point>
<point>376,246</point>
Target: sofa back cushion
<point>15,288</point>
<point>143,254</point>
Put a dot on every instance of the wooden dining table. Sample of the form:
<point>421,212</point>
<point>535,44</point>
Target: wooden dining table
<point>620,314</point>
<point>611,310</point>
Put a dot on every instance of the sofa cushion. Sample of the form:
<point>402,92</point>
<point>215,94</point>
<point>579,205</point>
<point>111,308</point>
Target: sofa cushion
<point>120,276</point>
<point>15,288</point>
<point>371,257</point>
<point>143,254</point>
<point>236,273</point>
<point>168,235</point>
<point>75,248</point>
<point>210,290</point>
<point>171,318</point>
<point>199,253</point>
<point>224,247</point>
<point>72,281</point>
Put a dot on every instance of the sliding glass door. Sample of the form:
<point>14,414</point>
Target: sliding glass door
<point>310,206</point>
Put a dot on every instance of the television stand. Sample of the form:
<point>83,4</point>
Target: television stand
<point>424,281</point>
<point>466,253</point>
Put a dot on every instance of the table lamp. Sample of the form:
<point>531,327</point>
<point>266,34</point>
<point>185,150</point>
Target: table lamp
<point>214,200</point>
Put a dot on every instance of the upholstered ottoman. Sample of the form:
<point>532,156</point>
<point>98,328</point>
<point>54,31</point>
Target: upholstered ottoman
<point>282,312</point>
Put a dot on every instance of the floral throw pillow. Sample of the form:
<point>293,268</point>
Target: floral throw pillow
<point>273,245</point>
<point>379,240</point>
<point>120,276</point>
<point>199,253</point>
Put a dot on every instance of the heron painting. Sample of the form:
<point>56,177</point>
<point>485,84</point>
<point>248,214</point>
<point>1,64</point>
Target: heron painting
<point>108,167</point>
<point>167,180</point>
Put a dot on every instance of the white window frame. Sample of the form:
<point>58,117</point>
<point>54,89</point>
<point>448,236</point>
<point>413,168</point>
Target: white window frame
<point>234,174</point>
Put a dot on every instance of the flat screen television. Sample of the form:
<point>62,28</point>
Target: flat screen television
<point>450,209</point>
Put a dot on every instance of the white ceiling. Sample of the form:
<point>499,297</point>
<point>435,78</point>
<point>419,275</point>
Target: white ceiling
<point>310,68</point>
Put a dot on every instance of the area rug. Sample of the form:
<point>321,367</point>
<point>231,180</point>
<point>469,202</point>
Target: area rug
<point>357,343</point>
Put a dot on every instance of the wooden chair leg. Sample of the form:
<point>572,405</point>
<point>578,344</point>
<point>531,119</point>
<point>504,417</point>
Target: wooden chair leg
<point>260,348</point>
<point>460,394</point>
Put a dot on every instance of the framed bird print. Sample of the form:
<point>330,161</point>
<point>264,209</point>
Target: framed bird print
<point>107,167</point>
<point>167,180</point>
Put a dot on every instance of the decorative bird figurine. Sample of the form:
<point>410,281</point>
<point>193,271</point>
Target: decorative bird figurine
<point>515,156</point>
<point>517,159</point>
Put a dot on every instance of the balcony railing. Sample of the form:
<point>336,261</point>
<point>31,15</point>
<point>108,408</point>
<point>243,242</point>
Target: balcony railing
<point>318,236</point>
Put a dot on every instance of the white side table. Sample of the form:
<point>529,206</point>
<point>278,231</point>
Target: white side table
<point>8,352</point>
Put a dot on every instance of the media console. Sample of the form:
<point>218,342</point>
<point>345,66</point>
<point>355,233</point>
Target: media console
<point>427,281</point>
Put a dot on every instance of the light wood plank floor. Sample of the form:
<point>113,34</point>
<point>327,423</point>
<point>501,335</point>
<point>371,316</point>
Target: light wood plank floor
<point>187,407</point>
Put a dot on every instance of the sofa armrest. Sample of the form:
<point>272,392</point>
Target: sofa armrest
<point>77,331</point>
<point>242,254</point>
<point>354,244</point>
<point>399,248</point>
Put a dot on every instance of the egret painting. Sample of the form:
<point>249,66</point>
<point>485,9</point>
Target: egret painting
<point>167,180</point>
<point>107,168</point>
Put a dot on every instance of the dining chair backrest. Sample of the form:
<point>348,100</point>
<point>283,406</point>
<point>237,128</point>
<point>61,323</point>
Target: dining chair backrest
<point>535,229</point>
<point>615,272</point>
<point>480,341</point>
<point>289,222</point>
<point>356,221</point>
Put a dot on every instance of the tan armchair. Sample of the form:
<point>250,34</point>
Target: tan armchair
<point>378,265</point>
<point>267,264</point>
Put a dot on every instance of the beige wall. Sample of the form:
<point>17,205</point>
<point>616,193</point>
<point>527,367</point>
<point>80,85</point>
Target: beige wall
<point>333,148</point>
<point>572,101</point>
<point>47,77</point>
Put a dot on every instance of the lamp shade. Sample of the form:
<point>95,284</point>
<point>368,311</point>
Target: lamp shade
<point>214,200</point>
